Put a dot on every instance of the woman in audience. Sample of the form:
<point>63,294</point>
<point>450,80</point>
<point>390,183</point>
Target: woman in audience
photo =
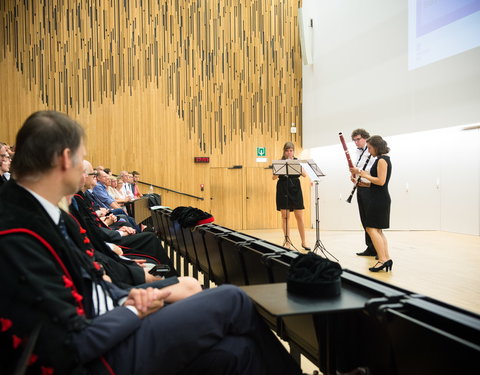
<point>119,193</point>
<point>112,186</point>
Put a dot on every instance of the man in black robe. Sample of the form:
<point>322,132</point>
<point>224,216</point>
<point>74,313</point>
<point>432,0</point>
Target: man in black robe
<point>55,298</point>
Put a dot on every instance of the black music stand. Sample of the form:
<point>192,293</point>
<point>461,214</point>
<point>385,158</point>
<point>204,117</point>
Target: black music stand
<point>287,168</point>
<point>314,173</point>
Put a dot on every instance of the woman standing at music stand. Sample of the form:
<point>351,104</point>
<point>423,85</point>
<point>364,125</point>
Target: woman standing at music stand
<point>290,198</point>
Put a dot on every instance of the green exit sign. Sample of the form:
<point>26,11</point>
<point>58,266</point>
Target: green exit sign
<point>261,151</point>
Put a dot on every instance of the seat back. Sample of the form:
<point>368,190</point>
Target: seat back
<point>203,262</point>
<point>280,264</point>
<point>212,235</point>
<point>257,266</point>
<point>233,246</point>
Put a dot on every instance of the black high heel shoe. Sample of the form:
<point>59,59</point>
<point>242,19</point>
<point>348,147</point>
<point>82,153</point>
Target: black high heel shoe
<point>387,265</point>
<point>306,248</point>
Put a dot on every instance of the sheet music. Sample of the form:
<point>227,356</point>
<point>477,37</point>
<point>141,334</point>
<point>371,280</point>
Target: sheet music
<point>310,173</point>
<point>315,168</point>
<point>286,167</point>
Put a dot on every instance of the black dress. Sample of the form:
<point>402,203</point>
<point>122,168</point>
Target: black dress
<point>289,193</point>
<point>378,211</point>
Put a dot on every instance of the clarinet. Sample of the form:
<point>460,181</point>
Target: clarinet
<point>349,199</point>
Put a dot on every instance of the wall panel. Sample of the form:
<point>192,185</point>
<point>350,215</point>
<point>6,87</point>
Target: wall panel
<point>156,83</point>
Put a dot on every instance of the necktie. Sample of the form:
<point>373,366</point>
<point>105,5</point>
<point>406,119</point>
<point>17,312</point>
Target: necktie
<point>63,230</point>
<point>363,151</point>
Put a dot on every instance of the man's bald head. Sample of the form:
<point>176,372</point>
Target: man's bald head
<point>90,176</point>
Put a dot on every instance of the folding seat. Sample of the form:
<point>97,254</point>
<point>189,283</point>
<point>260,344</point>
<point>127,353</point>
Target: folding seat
<point>212,235</point>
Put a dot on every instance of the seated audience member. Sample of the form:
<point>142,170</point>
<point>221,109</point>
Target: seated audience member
<point>119,194</point>
<point>83,324</point>
<point>124,272</point>
<point>111,187</point>
<point>100,191</point>
<point>144,245</point>
<point>4,163</point>
<point>125,176</point>
<point>100,195</point>
<point>10,150</point>
<point>135,178</point>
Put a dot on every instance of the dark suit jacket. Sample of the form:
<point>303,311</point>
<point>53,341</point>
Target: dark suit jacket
<point>43,283</point>
<point>141,245</point>
<point>124,273</point>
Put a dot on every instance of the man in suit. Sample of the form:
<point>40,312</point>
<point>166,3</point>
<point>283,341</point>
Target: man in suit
<point>55,298</point>
<point>359,137</point>
<point>143,245</point>
<point>123,272</point>
<point>127,187</point>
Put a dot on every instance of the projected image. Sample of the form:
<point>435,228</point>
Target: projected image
<point>441,28</point>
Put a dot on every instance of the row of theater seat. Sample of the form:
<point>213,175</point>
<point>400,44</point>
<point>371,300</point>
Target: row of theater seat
<point>222,255</point>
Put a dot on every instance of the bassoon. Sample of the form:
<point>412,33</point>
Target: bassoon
<point>347,154</point>
<point>349,199</point>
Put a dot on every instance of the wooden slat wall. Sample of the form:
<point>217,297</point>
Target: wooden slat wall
<point>156,83</point>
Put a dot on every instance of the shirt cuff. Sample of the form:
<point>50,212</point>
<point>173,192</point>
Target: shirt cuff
<point>132,309</point>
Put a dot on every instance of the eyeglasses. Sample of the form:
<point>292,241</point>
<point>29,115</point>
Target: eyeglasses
<point>5,156</point>
<point>94,174</point>
<point>356,139</point>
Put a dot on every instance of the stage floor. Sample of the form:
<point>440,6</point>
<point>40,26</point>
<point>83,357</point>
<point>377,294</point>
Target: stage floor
<point>441,265</point>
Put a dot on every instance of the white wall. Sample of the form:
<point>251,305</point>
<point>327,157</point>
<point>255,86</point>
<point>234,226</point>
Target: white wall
<point>360,75</point>
<point>435,183</point>
<point>360,78</point>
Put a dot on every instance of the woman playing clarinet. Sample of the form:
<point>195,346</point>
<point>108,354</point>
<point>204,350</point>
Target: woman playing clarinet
<point>378,210</point>
<point>290,198</point>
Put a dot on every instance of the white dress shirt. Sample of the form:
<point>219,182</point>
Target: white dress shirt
<point>361,158</point>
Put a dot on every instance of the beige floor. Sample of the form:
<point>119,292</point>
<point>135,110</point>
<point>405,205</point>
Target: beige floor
<point>442,265</point>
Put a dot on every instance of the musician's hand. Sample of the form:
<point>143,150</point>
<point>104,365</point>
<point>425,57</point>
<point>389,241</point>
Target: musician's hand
<point>364,174</point>
<point>353,179</point>
<point>354,170</point>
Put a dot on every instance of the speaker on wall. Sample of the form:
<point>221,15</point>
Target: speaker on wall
<point>305,28</point>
